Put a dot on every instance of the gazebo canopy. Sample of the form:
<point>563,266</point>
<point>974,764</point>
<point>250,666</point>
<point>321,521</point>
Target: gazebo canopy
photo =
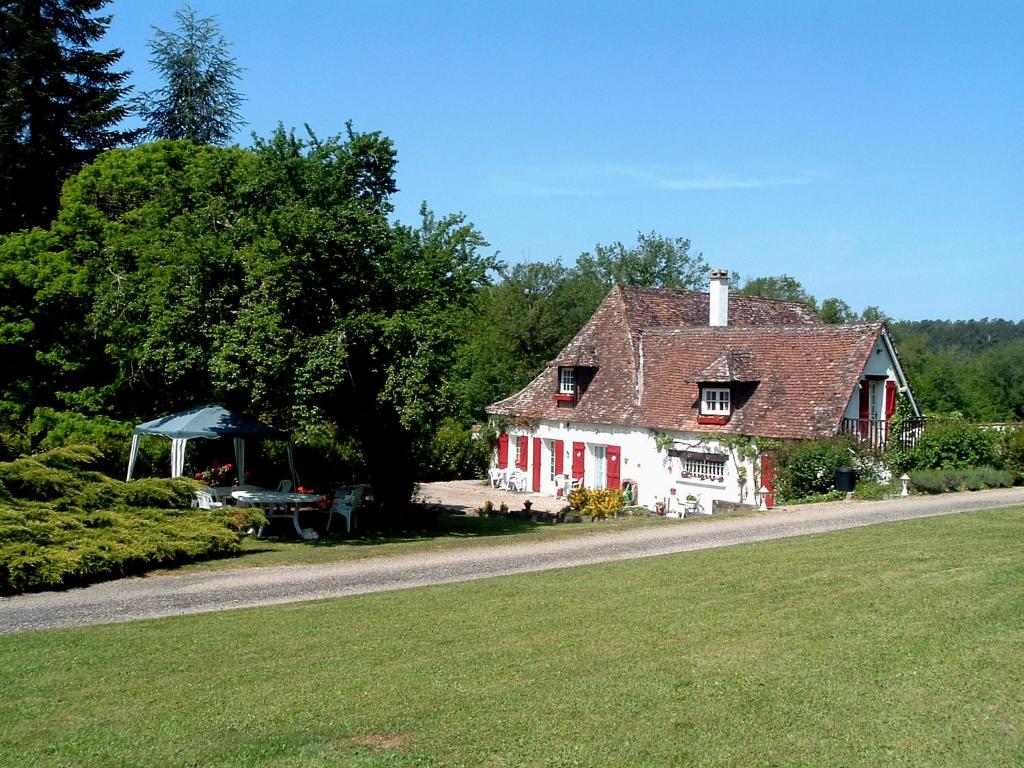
<point>210,421</point>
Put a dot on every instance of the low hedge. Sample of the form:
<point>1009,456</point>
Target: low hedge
<point>62,523</point>
<point>42,547</point>
<point>974,479</point>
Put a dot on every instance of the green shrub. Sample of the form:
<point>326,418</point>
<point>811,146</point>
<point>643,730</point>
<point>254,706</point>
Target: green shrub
<point>69,457</point>
<point>809,468</point>
<point>871,491</point>
<point>13,445</point>
<point>994,478</point>
<point>596,503</point>
<point>110,438</point>
<point>931,481</point>
<point>454,454</point>
<point>1012,449</point>
<point>42,548</point>
<point>816,498</point>
<point>954,444</point>
<point>971,479</point>
<point>27,478</point>
<point>163,492</point>
<point>61,524</point>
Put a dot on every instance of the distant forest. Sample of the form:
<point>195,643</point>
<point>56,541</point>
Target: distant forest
<point>974,367</point>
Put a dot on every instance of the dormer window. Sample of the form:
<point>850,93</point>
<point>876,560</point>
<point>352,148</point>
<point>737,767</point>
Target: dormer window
<point>567,381</point>
<point>715,401</point>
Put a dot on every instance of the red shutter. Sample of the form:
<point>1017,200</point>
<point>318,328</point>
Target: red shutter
<point>864,407</point>
<point>614,459</point>
<point>577,460</point>
<point>559,456</point>
<point>536,464</point>
<point>524,447</point>
<point>768,478</point>
<point>890,399</point>
<point>502,451</point>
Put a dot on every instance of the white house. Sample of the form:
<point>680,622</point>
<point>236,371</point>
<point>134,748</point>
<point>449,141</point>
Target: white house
<point>670,392</point>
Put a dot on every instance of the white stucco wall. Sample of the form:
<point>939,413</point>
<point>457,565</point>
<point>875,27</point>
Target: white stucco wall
<point>657,474</point>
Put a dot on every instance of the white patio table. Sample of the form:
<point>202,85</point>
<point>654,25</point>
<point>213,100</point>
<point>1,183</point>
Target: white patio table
<point>271,501</point>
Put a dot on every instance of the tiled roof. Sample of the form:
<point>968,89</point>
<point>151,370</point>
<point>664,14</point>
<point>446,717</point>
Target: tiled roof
<point>801,372</point>
<point>805,376</point>
<point>731,365</point>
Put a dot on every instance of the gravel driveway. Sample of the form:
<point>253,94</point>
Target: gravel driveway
<point>172,595</point>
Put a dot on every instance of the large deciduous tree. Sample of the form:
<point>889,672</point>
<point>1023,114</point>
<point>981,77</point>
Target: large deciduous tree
<point>199,99</point>
<point>60,102</point>
<point>656,261</point>
<point>779,288</point>
<point>269,279</point>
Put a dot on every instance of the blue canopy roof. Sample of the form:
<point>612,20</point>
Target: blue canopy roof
<point>210,421</point>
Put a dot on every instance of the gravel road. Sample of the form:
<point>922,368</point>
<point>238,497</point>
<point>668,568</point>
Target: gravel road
<point>173,595</point>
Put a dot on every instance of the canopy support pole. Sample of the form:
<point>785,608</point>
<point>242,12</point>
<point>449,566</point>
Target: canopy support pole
<point>291,467</point>
<point>240,459</point>
<point>132,455</point>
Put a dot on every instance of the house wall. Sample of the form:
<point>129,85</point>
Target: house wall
<point>880,363</point>
<point>657,474</point>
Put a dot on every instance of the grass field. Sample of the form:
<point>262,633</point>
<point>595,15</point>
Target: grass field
<point>891,645</point>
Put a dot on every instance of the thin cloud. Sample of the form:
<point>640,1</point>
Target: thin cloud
<point>592,181</point>
<point>712,183</point>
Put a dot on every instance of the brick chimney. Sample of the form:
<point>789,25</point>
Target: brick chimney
<point>718,309</point>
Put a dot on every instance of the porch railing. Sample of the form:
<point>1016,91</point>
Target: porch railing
<point>875,433</point>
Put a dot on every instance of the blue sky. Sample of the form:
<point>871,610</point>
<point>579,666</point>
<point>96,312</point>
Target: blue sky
<point>874,151</point>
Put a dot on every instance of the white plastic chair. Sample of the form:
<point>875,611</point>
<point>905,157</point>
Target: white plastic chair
<point>496,476</point>
<point>560,483</point>
<point>205,499</point>
<point>575,483</point>
<point>517,481</point>
<point>285,486</point>
<point>345,505</point>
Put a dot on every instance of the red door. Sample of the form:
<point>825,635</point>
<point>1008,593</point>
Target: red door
<point>559,456</point>
<point>536,465</point>
<point>865,386</point>
<point>890,399</point>
<point>577,461</point>
<point>521,457</point>
<point>613,472</point>
<point>502,451</point>
<point>768,479</point>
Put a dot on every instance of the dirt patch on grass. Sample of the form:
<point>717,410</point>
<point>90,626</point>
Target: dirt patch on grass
<point>392,741</point>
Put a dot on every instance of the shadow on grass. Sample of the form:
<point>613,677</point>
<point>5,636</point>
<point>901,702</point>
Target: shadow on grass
<point>449,525</point>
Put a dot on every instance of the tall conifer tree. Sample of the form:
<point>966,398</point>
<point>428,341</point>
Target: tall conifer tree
<point>60,102</point>
<point>198,100</point>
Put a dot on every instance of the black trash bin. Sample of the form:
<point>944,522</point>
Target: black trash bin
<point>846,479</point>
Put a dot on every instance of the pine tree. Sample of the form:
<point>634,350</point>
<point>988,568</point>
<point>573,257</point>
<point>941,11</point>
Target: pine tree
<point>199,100</point>
<point>60,102</point>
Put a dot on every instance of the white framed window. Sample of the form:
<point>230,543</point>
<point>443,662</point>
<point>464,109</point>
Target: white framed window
<point>703,467</point>
<point>550,444</point>
<point>520,444</point>
<point>566,381</point>
<point>714,401</point>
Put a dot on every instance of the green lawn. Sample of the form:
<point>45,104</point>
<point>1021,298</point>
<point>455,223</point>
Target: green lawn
<point>453,531</point>
<point>890,645</point>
